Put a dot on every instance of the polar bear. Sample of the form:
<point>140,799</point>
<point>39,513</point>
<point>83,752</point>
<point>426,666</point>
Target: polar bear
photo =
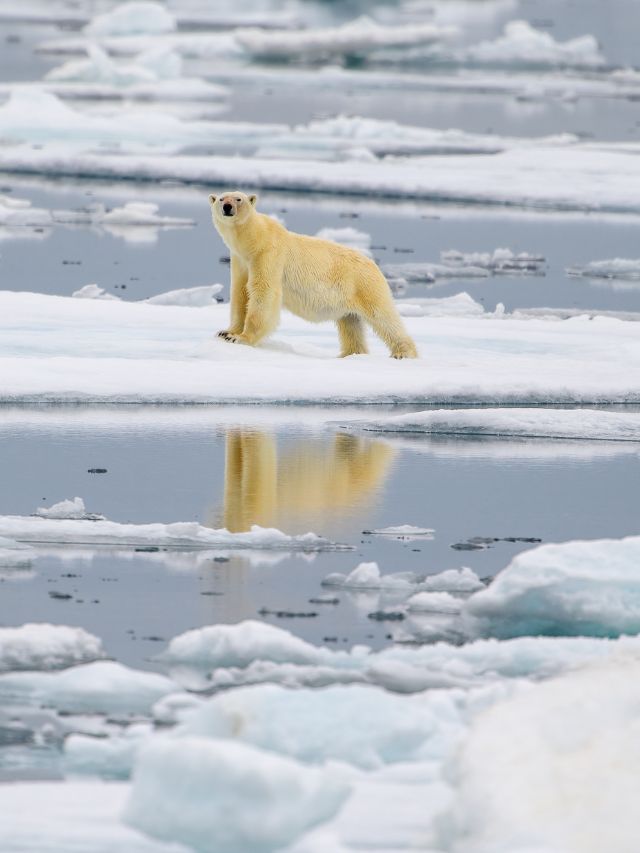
<point>315,279</point>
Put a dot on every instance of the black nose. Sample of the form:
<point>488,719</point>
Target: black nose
<point>227,209</point>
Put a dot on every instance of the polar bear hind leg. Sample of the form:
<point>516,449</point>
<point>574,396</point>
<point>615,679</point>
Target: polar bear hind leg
<point>387,324</point>
<point>352,335</point>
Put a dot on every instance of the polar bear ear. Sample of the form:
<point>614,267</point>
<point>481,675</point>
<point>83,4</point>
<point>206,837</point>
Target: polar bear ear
<point>212,199</point>
<point>253,199</point>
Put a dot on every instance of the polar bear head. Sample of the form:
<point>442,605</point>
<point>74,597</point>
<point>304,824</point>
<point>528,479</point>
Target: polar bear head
<point>231,208</point>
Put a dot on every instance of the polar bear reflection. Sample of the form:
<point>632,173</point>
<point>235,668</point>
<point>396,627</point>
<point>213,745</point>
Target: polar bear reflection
<point>307,485</point>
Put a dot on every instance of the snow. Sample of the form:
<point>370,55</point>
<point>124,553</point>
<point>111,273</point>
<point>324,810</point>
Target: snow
<point>523,44</point>
<point>460,305</point>
<point>453,580</point>
<point>434,602</point>
<point>351,237</point>
<point>367,576</point>
<point>586,424</point>
<point>575,588</point>
<point>94,291</point>
<point>200,792</point>
<point>358,37</point>
<point>592,176</point>
<point>127,352</point>
<point>134,18</point>
<point>42,646</point>
<point>102,687</point>
<point>68,509</point>
<point>624,269</point>
<point>532,768</point>
<point>68,527</point>
<point>196,297</point>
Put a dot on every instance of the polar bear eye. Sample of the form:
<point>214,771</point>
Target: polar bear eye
<point>239,200</point>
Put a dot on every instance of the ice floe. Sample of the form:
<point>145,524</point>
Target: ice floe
<point>67,523</point>
<point>194,790</point>
<point>589,588</point>
<point>499,261</point>
<point>124,352</point>
<point>132,18</point>
<point>587,424</point>
<point>15,555</point>
<point>368,576</point>
<point>19,212</point>
<point>351,237</point>
<point>42,646</point>
<point>196,297</point>
<point>624,269</point>
<point>93,291</point>
<point>403,531</point>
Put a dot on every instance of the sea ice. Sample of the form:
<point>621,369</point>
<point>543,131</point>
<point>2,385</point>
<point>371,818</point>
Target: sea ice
<point>624,269</point>
<point>15,555</point>
<point>140,17</point>
<point>403,531</point>
<point>499,261</point>
<point>94,291</point>
<point>351,237</point>
<point>102,687</point>
<point>434,602</point>
<point>196,297</point>
<point>68,509</point>
<point>367,576</point>
<point>589,588</point>
<point>18,212</point>
<point>42,646</point>
<point>200,791</point>
<point>586,424</point>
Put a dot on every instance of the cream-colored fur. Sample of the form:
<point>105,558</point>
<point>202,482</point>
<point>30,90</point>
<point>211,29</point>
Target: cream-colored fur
<point>315,279</point>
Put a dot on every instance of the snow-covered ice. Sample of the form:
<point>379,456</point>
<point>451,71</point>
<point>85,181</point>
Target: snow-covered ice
<point>201,792</point>
<point>575,588</point>
<point>68,509</point>
<point>587,424</point>
<point>368,576</point>
<point>196,297</point>
<point>403,531</point>
<point>15,555</point>
<point>499,261</point>
<point>42,646</point>
<point>62,349</point>
<point>351,237</point>
<point>624,269</point>
<point>132,18</point>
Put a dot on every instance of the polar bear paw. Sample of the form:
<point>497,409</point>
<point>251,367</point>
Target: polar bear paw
<point>232,338</point>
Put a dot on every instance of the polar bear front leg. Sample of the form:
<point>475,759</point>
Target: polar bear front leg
<point>239,298</point>
<point>352,335</point>
<point>264,288</point>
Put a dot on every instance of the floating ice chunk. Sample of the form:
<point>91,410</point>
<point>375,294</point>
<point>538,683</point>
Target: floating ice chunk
<point>576,588</point>
<point>15,555</point>
<point>101,687</point>
<point>523,44</point>
<point>239,645</point>
<point>109,758</point>
<point>140,17</point>
<point>355,38</point>
<point>453,580</point>
<point>356,723</point>
<point>68,508</point>
<point>172,708</point>
<point>93,291</point>
<point>429,273</point>
<point>195,296</point>
<point>98,67</point>
<point>403,531</point>
<point>434,602</point>
<point>367,576</point>
<point>625,269</point>
<point>351,237</point>
<point>587,424</point>
<point>181,535</point>
<point>498,261</point>
<point>16,212</point>
<point>200,791</point>
<point>530,768</point>
<point>42,646</point>
<point>141,213</point>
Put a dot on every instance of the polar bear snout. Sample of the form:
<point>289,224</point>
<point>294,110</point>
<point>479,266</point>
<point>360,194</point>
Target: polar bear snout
<point>227,209</point>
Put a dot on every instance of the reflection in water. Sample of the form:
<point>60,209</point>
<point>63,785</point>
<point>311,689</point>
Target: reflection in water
<point>303,486</point>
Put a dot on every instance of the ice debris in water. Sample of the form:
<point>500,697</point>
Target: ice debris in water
<point>15,555</point>
<point>351,237</point>
<point>368,576</point>
<point>585,424</point>
<point>358,37</point>
<point>403,531</point>
<point>68,509</point>
<point>625,269</point>
<point>150,66</point>
<point>43,646</point>
<point>16,212</point>
<point>199,791</point>
<point>140,17</point>
<point>587,588</point>
<point>498,261</point>
<point>523,44</point>
<point>94,291</point>
<point>434,602</point>
<point>69,526</point>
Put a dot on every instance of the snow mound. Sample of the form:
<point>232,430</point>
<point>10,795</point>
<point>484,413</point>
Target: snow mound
<point>14,555</point>
<point>42,646</point>
<point>141,17</point>
<point>355,38</point>
<point>200,792</point>
<point>530,770</point>
<point>102,687</point>
<point>587,424</point>
<point>181,535</point>
<point>195,296</point>
<point>498,261</point>
<point>587,588</point>
<point>68,509</point>
<point>94,291</point>
<point>625,269</point>
<point>523,44</point>
<point>351,237</point>
<point>368,576</point>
